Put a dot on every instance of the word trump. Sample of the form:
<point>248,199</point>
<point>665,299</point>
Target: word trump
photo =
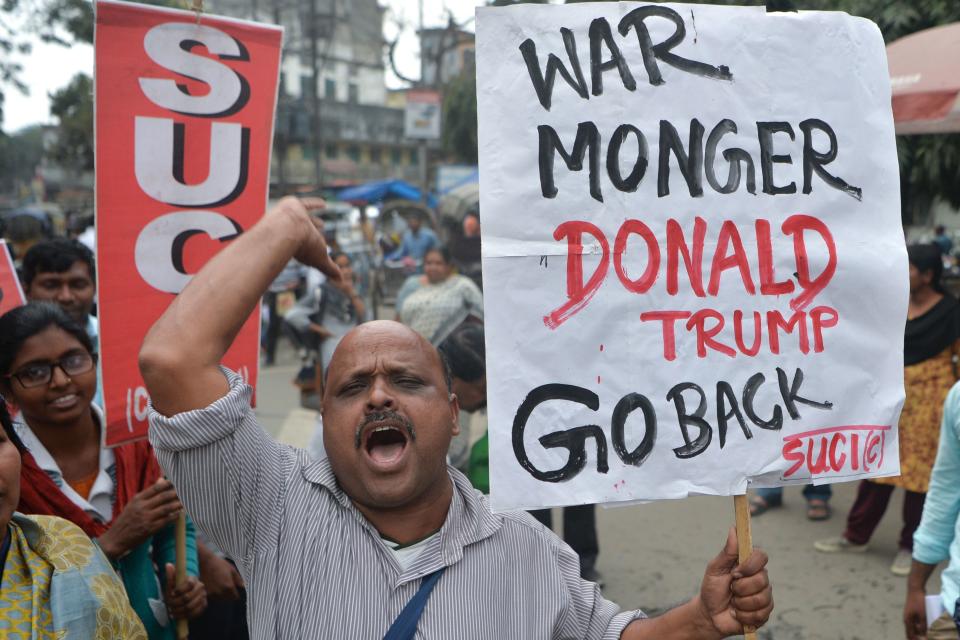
<point>159,145</point>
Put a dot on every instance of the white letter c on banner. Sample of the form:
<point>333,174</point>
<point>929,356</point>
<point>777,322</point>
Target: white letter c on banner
<point>159,250</point>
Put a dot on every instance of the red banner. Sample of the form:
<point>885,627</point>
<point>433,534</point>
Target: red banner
<point>11,295</point>
<point>184,124</point>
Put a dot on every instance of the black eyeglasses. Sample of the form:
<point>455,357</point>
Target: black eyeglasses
<point>39,374</point>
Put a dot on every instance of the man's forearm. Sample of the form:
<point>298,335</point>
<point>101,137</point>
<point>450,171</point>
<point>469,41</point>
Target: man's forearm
<point>920,573</point>
<point>191,337</point>
<point>680,623</point>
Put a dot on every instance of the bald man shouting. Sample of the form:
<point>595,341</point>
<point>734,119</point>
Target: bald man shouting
<point>381,539</point>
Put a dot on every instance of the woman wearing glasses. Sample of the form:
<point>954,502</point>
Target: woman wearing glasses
<point>48,371</point>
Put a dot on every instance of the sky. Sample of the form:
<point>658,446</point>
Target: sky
<point>50,67</point>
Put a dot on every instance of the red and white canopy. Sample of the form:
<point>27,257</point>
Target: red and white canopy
<point>925,73</point>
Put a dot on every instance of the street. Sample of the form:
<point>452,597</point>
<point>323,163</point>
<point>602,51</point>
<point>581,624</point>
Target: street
<point>652,556</point>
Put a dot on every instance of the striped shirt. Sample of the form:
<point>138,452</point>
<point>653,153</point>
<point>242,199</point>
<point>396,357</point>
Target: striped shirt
<point>316,568</point>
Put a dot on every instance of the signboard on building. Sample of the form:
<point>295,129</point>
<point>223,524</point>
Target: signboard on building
<point>422,114</point>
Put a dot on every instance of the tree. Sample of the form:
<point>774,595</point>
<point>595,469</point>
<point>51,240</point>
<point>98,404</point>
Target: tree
<point>58,21</point>
<point>62,22</point>
<point>929,164</point>
<point>507,3</point>
<point>73,108</point>
<point>460,118</point>
<point>20,154</point>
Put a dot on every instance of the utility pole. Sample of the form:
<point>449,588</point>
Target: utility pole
<point>424,173</point>
<point>282,128</point>
<point>315,137</point>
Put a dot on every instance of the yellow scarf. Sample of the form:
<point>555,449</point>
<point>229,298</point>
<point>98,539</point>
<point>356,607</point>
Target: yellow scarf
<point>50,555</point>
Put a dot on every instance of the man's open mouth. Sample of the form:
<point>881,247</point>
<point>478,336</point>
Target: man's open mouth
<point>384,436</point>
<point>385,444</point>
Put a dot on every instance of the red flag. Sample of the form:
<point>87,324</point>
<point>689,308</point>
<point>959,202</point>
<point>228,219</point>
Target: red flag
<point>184,124</point>
<point>11,295</point>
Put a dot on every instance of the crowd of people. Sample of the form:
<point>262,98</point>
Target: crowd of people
<point>387,506</point>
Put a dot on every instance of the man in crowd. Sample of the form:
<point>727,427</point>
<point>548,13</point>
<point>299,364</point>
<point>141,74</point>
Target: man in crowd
<point>62,271</point>
<point>416,242</point>
<point>381,534</point>
<point>465,353</point>
<point>942,240</point>
<point>937,537</point>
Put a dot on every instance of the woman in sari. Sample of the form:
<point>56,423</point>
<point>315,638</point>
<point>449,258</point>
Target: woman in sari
<point>54,581</point>
<point>439,301</point>
<point>116,496</point>
<point>930,348</point>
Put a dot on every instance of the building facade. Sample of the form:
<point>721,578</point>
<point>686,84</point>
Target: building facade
<point>360,137</point>
<point>446,53</point>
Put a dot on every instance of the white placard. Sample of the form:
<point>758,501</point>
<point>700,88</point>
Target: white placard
<point>694,269</point>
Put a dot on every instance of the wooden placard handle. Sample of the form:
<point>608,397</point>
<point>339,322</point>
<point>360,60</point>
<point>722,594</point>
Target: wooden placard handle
<point>183,626</point>
<point>744,543</point>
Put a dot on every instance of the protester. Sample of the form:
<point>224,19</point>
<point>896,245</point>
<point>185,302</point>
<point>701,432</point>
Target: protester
<point>415,244</point>
<point>817,496</point>
<point>336,547</point>
<point>64,585</point>
<point>325,314</point>
<point>287,284</point>
<point>465,353</point>
<point>63,271</point>
<point>930,344</point>
<point>937,537</point>
<point>465,248</point>
<point>439,301</point>
<point>22,232</point>
<point>942,240</point>
<point>225,617</point>
<point>116,496</point>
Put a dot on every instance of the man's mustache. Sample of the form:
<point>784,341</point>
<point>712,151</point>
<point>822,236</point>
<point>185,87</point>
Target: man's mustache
<point>384,416</point>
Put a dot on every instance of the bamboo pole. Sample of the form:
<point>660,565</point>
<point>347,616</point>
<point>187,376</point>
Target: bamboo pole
<point>744,543</point>
<point>183,628</point>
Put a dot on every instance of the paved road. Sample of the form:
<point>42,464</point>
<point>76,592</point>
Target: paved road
<point>653,555</point>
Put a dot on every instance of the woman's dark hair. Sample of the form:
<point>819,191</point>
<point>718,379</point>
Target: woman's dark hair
<point>339,254</point>
<point>444,253</point>
<point>927,257</point>
<point>465,352</point>
<point>22,323</point>
<point>8,429</point>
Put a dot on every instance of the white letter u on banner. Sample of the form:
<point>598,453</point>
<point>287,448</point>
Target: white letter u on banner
<point>159,161</point>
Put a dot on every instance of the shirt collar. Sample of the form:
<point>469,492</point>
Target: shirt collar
<point>469,519</point>
<point>93,327</point>
<point>102,485</point>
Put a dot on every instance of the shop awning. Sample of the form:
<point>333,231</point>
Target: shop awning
<point>925,74</point>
